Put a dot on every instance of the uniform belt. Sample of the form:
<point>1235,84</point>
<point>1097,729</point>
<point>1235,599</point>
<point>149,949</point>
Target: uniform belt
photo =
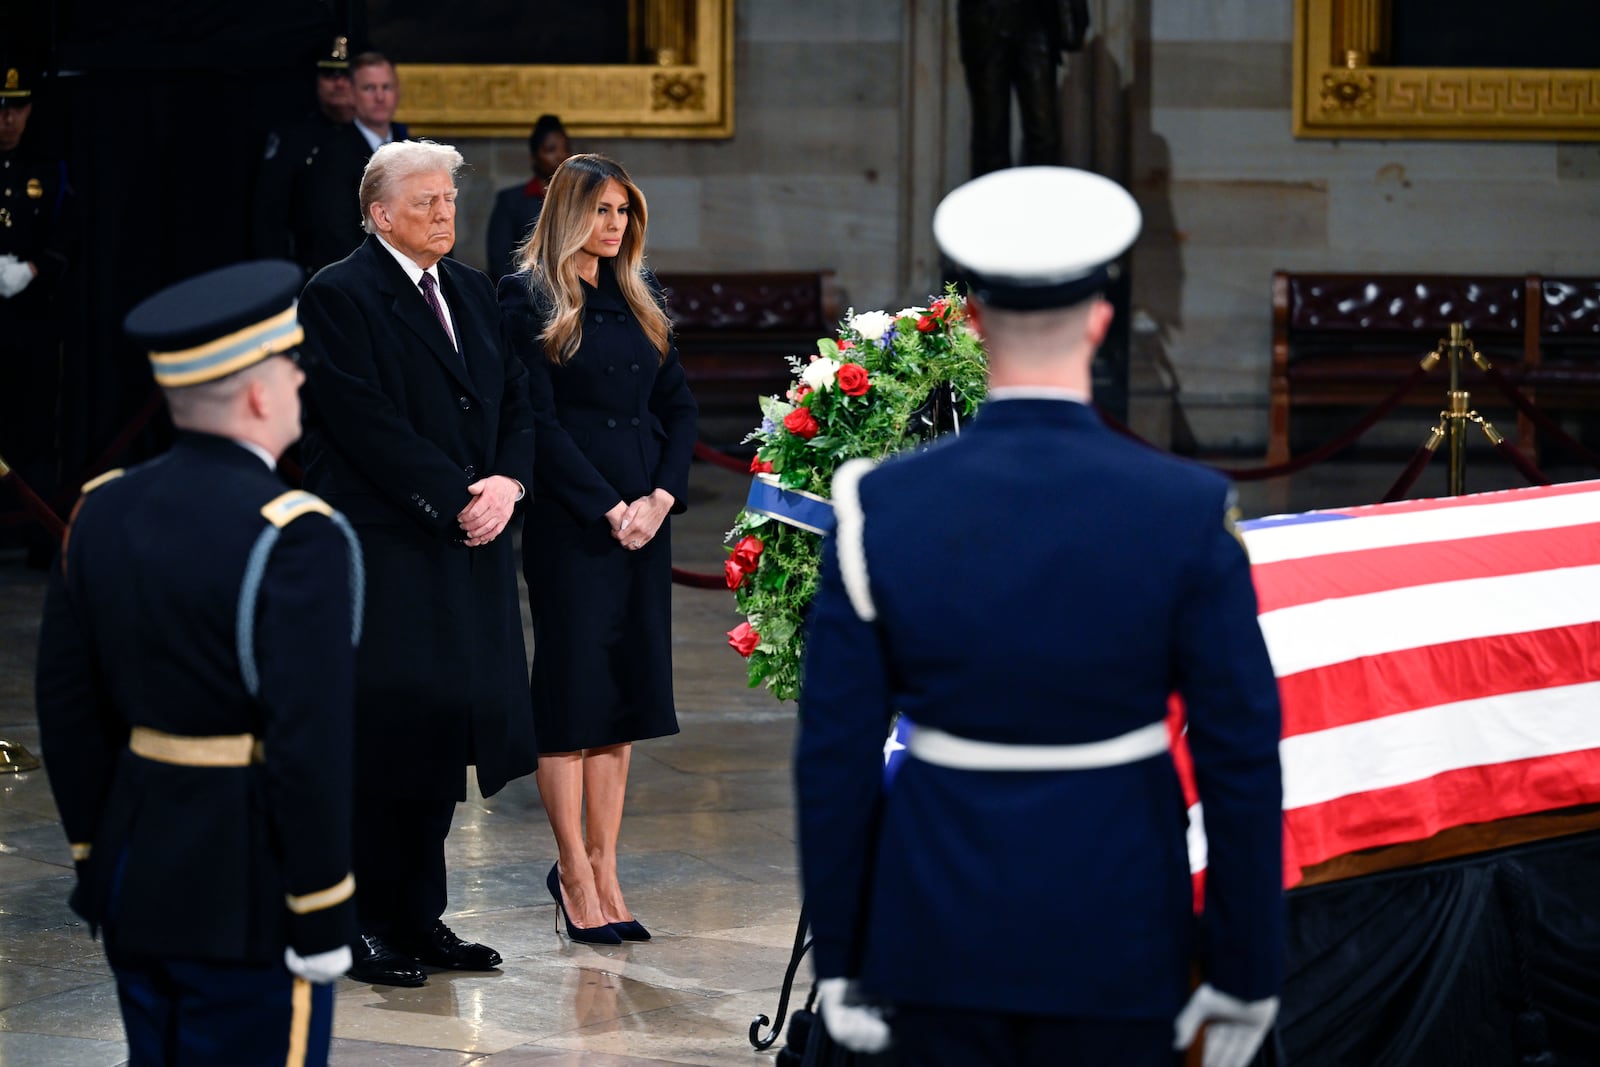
<point>225,750</point>
<point>962,753</point>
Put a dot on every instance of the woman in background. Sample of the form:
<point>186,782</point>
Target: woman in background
<point>517,209</point>
<point>588,320</point>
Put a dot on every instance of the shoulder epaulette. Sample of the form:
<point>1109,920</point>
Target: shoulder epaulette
<point>282,510</point>
<point>94,483</point>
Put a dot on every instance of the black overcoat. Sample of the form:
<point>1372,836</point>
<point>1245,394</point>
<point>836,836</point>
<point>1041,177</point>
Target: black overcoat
<point>625,425</point>
<point>396,430</point>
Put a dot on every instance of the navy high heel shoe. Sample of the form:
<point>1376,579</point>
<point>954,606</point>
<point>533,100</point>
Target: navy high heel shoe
<point>591,935</point>
<point>631,930</point>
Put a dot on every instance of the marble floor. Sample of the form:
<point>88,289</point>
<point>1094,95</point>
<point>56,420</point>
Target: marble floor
<point>707,856</point>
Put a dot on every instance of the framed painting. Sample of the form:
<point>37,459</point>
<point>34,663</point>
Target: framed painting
<point>609,68</point>
<point>1447,69</point>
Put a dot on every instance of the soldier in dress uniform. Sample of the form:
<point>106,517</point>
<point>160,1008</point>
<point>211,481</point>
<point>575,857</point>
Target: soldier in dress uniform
<point>1021,894</point>
<point>194,696</point>
<point>40,234</point>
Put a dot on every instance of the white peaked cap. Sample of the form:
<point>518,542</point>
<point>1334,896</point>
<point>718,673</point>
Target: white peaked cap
<point>1036,237</point>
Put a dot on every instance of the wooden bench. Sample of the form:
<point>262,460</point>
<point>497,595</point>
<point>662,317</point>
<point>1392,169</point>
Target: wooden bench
<point>734,330</point>
<point>1348,340</point>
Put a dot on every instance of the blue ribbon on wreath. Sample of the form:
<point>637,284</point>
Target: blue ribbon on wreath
<point>808,511</point>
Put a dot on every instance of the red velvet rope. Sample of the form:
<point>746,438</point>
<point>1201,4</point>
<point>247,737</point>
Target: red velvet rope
<point>1525,466</point>
<point>1316,455</point>
<point>1408,477</point>
<point>1540,419</point>
<point>31,502</point>
<point>717,458</point>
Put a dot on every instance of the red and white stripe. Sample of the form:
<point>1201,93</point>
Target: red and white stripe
<point>1439,664</point>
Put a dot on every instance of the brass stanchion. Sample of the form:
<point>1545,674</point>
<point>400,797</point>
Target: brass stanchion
<point>1458,411</point>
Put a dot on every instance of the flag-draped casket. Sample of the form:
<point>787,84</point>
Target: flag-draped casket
<point>1439,663</point>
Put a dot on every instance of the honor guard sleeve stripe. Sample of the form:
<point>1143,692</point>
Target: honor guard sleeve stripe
<point>299,1022</point>
<point>323,898</point>
<point>283,510</point>
<point>850,531</point>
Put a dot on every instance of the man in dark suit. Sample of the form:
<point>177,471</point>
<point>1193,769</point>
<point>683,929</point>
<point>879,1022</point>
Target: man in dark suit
<point>194,692</point>
<point>421,431</point>
<point>1039,804</point>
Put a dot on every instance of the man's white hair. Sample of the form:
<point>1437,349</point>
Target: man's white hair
<point>396,161</point>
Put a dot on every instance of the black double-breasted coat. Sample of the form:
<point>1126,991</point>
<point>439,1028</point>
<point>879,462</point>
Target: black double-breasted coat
<point>398,426</point>
<point>624,426</point>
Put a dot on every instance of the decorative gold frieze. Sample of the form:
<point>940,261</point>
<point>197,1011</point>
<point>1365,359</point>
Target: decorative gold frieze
<point>1342,89</point>
<point>691,97</point>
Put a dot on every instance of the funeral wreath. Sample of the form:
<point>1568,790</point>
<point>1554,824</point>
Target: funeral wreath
<point>887,383</point>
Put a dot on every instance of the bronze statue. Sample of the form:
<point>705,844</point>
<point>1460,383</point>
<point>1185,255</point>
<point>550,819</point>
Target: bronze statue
<point>1015,45</point>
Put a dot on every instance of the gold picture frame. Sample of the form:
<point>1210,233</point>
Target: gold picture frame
<point>687,92</point>
<point>1342,87</point>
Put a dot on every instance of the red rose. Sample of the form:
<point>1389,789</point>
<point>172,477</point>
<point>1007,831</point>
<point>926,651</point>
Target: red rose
<point>743,639</point>
<point>732,573</point>
<point>927,324</point>
<point>801,423</point>
<point>802,392</point>
<point>853,379</point>
<point>759,466</point>
<point>845,346</point>
<point>939,308</point>
<point>747,553</point>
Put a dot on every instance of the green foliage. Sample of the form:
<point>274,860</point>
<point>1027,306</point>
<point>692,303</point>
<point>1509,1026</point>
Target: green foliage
<point>903,365</point>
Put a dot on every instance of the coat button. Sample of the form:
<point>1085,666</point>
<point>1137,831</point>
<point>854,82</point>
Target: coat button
<point>610,369</point>
<point>634,368</point>
<point>471,471</point>
<point>611,423</point>
<point>621,317</point>
<point>634,421</point>
<point>598,318</point>
<point>466,405</point>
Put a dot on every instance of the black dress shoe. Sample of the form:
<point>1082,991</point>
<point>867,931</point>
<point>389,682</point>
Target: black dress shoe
<point>440,947</point>
<point>378,964</point>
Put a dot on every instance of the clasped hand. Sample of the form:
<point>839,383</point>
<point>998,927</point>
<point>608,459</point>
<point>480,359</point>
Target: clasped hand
<point>14,275</point>
<point>493,500</point>
<point>635,525</point>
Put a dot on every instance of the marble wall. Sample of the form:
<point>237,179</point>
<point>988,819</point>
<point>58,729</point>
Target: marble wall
<point>1233,196</point>
<point>851,122</point>
<point>811,177</point>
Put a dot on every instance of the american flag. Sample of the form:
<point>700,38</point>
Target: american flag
<point>1439,664</point>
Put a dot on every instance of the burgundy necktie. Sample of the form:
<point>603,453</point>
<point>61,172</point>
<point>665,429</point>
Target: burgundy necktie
<point>431,295</point>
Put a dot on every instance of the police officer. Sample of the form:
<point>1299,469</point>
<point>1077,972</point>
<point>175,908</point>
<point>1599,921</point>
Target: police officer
<point>40,233</point>
<point>290,219</point>
<point>1021,894</point>
<point>194,696</point>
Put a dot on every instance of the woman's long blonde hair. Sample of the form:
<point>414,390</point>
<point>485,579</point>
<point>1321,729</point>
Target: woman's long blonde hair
<point>550,253</point>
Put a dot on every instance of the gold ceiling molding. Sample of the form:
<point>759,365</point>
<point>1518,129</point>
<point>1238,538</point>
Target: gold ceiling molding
<point>1342,87</point>
<point>686,92</point>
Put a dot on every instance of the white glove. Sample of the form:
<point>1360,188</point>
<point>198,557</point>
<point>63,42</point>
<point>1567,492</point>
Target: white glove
<point>14,277</point>
<point>1234,1028</point>
<point>852,1022</point>
<point>319,967</point>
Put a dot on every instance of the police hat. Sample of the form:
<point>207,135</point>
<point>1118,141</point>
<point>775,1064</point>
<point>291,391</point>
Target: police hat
<point>337,61</point>
<point>218,323</point>
<point>1030,238</point>
<point>16,86</point>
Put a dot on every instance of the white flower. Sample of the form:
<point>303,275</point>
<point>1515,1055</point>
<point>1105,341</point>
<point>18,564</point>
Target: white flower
<point>911,312</point>
<point>872,325</point>
<point>820,373</point>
